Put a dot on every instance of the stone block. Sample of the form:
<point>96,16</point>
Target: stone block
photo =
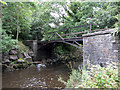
<point>13,52</point>
<point>13,57</point>
<point>100,47</point>
<point>29,59</point>
<point>21,55</point>
<point>31,54</point>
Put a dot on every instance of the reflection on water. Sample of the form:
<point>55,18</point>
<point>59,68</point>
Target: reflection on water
<point>36,76</point>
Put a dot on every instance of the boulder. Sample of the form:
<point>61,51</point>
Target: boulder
<point>13,52</point>
<point>31,54</point>
<point>48,60</point>
<point>4,67</point>
<point>21,55</point>
<point>7,61</point>
<point>9,69</point>
<point>21,66</point>
<point>5,58</point>
<point>28,58</point>
<point>54,60</point>
<point>13,57</point>
<point>25,54</point>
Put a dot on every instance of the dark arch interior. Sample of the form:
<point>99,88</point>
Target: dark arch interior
<point>46,51</point>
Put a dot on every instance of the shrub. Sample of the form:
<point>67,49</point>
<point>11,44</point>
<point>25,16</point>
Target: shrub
<point>21,47</point>
<point>96,77</point>
<point>7,42</point>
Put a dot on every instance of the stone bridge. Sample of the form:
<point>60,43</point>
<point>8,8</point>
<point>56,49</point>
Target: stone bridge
<point>44,49</point>
<point>98,47</point>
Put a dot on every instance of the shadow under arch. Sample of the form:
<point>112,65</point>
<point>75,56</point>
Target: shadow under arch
<point>46,51</point>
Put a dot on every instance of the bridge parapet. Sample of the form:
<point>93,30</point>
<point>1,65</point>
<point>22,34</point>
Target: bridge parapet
<point>74,32</point>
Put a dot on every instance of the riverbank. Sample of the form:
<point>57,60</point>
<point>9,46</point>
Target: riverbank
<point>20,70</point>
<point>17,58</point>
<point>95,76</point>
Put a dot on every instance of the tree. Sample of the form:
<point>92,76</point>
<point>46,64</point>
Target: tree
<point>17,18</point>
<point>99,14</point>
<point>42,19</point>
<point>105,14</point>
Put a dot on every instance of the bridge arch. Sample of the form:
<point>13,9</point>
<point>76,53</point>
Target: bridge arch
<point>44,49</point>
<point>47,50</point>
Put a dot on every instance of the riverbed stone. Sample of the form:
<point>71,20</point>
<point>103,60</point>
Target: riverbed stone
<point>31,53</point>
<point>5,57</point>
<point>13,57</point>
<point>6,61</point>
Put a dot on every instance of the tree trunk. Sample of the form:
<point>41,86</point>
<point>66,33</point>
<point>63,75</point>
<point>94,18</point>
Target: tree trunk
<point>17,28</point>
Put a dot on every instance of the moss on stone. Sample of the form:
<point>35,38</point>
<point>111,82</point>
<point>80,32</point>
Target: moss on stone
<point>22,47</point>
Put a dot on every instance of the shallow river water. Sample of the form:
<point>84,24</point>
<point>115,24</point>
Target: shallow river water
<point>35,77</point>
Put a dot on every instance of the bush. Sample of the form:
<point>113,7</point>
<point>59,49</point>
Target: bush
<point>21,47</point>
<point>96,77</point>
<point>7,42</point>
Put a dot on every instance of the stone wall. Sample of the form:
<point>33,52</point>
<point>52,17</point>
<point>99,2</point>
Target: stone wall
<point>100,47</point>
<point>33,45</point>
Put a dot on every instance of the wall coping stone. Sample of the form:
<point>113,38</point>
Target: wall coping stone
<point>98,33</point>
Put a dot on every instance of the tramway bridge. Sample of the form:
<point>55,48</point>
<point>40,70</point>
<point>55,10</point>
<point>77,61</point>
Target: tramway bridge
<point>92,42</point>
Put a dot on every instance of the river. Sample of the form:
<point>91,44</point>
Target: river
<point>36,77</point>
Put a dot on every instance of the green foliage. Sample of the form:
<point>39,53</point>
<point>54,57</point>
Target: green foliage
<point>7,42</point>
<point>42,18</point>
<point>59,50</point>
<point>3,2</point>
<point>12,63</point>
<point>68,55</point>
<point>64,49</point>
<point>31,20</point>
<point>104,14</point>
<point>117,25</point>
<point>96,77</point>
<point>21,47</point>
<point>17,17</point>
<point>99,14</point>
